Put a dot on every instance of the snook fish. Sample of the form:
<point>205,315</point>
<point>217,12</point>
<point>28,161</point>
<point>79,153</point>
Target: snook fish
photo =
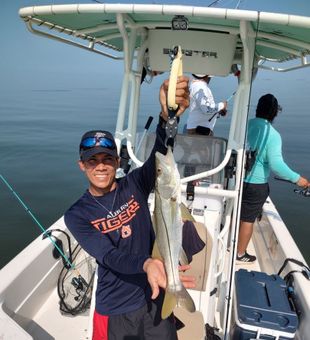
<point>168,224</point>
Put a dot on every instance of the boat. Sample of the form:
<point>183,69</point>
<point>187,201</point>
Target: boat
<point>228,41</point>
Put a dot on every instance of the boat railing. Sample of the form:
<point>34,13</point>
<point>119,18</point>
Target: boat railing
<point>197,156</point>
<point>82,35</point>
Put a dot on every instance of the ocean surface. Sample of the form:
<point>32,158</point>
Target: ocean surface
<point>40,131</point>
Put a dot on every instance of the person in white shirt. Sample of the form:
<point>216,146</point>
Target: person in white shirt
<point>203,111</point>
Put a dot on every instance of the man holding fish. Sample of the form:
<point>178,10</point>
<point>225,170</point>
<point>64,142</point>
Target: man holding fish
<point>112,222</point>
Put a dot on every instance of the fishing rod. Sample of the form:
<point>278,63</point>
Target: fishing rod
<point>123,170</point>
<point>46,233</point>
<point>304,192</point>
<point>78,282</point>
<point>176,70</point>
<point>146,128</point>
<point>219,112</point>
<point>213,3</point>
<point>238,4</point>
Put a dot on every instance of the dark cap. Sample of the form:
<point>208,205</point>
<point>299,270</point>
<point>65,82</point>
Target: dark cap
<point>268,107</point>
<point>268,100</point>
<point>97,141</point>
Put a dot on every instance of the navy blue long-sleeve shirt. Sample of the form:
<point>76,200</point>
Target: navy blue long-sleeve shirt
<point>122,240</point>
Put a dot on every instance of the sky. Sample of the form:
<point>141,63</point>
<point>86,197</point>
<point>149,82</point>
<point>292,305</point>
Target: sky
<point>28,61</point>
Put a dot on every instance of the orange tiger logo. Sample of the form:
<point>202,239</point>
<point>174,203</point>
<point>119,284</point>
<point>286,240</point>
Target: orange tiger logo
<point>126,231</point>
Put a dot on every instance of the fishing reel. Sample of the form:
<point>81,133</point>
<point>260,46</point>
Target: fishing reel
<point>304,192</point>
<point>80,285</point>
<point>223,112</point>
<point>75,290</point>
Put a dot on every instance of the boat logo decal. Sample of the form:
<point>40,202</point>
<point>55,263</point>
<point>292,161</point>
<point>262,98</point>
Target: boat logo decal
<point>191,53</point>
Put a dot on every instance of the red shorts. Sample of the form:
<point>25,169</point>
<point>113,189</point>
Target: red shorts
<point>100,326</point>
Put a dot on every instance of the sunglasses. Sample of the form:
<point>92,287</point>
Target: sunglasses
<point>90,142</point>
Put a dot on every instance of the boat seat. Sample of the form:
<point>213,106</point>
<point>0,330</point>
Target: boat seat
<point>201,261</point>
<point>193,153</point>
<point>194,326</point>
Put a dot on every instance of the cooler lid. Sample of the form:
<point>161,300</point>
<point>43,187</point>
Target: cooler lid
<point>261,301</point>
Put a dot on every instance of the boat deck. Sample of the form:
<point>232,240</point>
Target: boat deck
<point>249,266</point>
<point>63,327</point>
<point>48,323</point>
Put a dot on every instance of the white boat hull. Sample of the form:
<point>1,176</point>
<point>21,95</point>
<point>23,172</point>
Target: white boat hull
<point>30,303</point>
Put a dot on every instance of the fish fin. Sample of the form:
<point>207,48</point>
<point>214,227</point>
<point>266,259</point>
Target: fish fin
<point>170,301</point>
<point>181,299</point>
<point>185,301</point>
<point>183,258</point>
<point>156,252</point>
<point>185,213</point>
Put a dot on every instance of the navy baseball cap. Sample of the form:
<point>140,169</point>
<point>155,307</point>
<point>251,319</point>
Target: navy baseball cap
<point>97,141</point>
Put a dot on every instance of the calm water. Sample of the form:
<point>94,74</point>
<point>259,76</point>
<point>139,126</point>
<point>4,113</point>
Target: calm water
<point>40,132</point>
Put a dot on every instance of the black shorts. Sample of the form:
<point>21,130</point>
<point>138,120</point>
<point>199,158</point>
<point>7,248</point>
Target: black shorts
<point>142,324</point>
<point>253,199</point>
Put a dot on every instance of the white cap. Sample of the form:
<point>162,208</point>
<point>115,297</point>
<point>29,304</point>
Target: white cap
<point>200,76</point>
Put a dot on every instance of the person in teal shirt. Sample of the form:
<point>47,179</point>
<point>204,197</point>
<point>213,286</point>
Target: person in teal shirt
<point>266,143</point>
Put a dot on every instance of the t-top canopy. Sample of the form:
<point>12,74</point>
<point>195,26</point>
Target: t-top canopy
<point>279,37</point>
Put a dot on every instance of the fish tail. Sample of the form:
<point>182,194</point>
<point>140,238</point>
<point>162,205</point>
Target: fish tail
<point>180,299</point>
<point>170,301</point>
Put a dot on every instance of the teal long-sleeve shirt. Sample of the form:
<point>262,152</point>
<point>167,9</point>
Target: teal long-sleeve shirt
<point>267,142</point>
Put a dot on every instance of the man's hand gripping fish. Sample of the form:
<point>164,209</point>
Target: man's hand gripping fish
<point>168,226</point>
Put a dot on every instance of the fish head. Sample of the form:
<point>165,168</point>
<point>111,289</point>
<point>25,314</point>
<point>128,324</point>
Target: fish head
<point>167,175</point>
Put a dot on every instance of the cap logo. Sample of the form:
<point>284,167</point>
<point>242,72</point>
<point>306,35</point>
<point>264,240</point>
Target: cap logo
<point>99,134</point>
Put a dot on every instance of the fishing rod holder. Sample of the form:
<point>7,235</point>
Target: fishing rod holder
<point>56,253</point>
